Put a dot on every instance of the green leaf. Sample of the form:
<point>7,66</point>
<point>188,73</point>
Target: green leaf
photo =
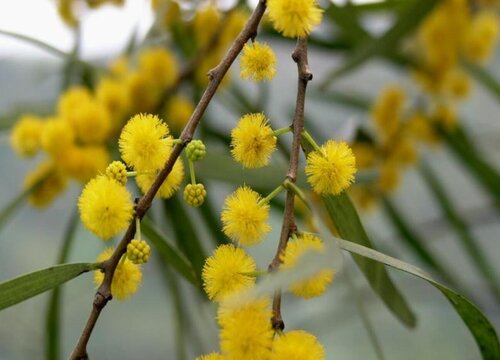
<point>13,206</point>
<point>169,253</point>
<point>347,222</point>
<point>461,228</point>
<point>26,286</point>
<point>483,77</point>
<point>212,221</point>
<point>52,320</point>
<point>409,19</point>
<point>414,242</point>
<point>479,326</point>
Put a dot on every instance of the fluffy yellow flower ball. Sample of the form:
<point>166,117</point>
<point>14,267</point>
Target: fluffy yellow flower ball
<point>294,18</point>
<point>84,162</point>
<point>169,186</point>
<point>386,112</point>
<point>178,111</point>
<point>115,98</point>
<point>105,207</point>
<point>47,181</point>
<point>253,141</point>
<point>331,169</point>
<point>56,137</point>
<point>91,122</point>
<point>126,279</point>
<point>257,62</point>
<point>144,142</point>
<point>244,217</point>
<point>159,66</point>
<point>316,284</point>
<point>297,345</point>
<point>212,356</point>
<point>25,137</point>
<point>482,36</point>
<point>224,272</point>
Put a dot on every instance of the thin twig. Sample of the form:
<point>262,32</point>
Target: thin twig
<point>288,227</point>
<point>103,294</point>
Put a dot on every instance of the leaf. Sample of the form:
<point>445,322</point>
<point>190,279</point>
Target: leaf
<point>13,206</point>
<point>483,77</point>
<point>347,222</point>
<point>52,320</point>
<point>408,20</point>
<point>168,252</point>
<point>479,326</point>
<point>26,286</point>
<point>212,221</point>
<point>461,228</point>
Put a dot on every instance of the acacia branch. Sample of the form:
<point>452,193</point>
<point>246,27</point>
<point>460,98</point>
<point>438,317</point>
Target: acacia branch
<point>103,294</point>
<point>288,227</point>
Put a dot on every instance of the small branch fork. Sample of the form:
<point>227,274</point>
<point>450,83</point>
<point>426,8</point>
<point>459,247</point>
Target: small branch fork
<point>103,294</point>
<point>289,227</point>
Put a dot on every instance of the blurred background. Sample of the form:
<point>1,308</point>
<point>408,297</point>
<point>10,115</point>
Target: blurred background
<point>148,324</point>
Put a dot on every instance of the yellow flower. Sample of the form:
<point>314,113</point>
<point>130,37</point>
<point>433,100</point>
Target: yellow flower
<point>387,110</point>
<point>420,128</point>
<point>445,115</point>
<point>480,39</point>
<point>365,154</point>
<point>178,111</point>
<point>105,207</point>
<point>297,345</point>
<point>142,91</point>
<point>48,181</point>
<point>456,83</point>
<point>316,284</point>
<point>205,24</point>
<point>25,137</point>
<point>159,66</point>
<point>246,332</point>
<point>389,176</point>
<point>65,11</point>
<point>114,96</point>
<point>403,151</point>
<point>126,279</point>
<point>244,216</point>
<point>294,18</point>
<point>71,100</point>
<point>257,62</point>
<point>171,184</point>
<point>331,170</point>
<point>235,22</point>
<point>144,143</point>
<point>212,356</point>
<point>224,272</point>
<point>84,162</point>
<point>90,121</point>
<point>252,141</point>
<point>57,137</point>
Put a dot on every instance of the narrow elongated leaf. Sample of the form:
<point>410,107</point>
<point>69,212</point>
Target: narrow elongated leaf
<point>479,326</point>
<point>484,78</point>
<point>406,23</point>
<point>26,286</point>
<point>52,320</point>
<point>461,228</point>
<point>212,221</point>
<point>168,252</point>
<point>347,222</point>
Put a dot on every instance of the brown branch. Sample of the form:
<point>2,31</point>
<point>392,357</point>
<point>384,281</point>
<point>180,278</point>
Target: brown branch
<point>103,294</point>
<point>288,227</point>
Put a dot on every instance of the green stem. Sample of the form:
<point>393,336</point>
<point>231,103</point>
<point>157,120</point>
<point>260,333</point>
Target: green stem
<point>297,191</point>
<point>310,140</point>
<point>137,228</point>
<point>176,141</point>
<point>143,172</point>
<point>273,194</point>
<point>255,273</point>
<point>282,131</point>
<point>191,172</point>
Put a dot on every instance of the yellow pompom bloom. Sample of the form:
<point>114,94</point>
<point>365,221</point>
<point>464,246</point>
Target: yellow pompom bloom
<point>66,12</point>
<point>294,18</point>
<point>365,154</point>
<point>205,25</point>
<point>142,92</point>
<point>389,177</point>
<point>257,62</point>
<point>159,66</point>
<point>171,184</point>
<point>253,141</point>
<point>113,94</point>
<point>481,38</point>
<point>244,217</point>
<point>91,121</point>
<point>445,115</point>
<point>71,100</point>
<point>144,143</point>
<point>57,137</point>
<point>457,84</point>
<point>235,22</point>
<point>212,356</point>
<point>420,128</point>
<point>246,332</point>
<point>25,137</point>
<point>105,207</point>
<point>297,345</point>
<point>224,273</point>
<point>83,163</point>
<point>178,111</point>
<point>387,110</point>
<point>126,279</point>
<point>331,170</point>
<point>47,181</point>
<point>316,284</point>
<point>403,151</point>
<point>119,67</point>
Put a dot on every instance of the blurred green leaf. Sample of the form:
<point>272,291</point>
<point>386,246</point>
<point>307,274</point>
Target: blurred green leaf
<point>52,320</point>
<point>26,286</point>
<point>13,206</point>
<point>212,221</point>
<point>461,228</point>
<point>414,242</point>
<point>351,100</point>
<point>409,19</point>
<point>347,222</point>
<point>168,252</point>
<point>483,77</point>
<point>480,327</point>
